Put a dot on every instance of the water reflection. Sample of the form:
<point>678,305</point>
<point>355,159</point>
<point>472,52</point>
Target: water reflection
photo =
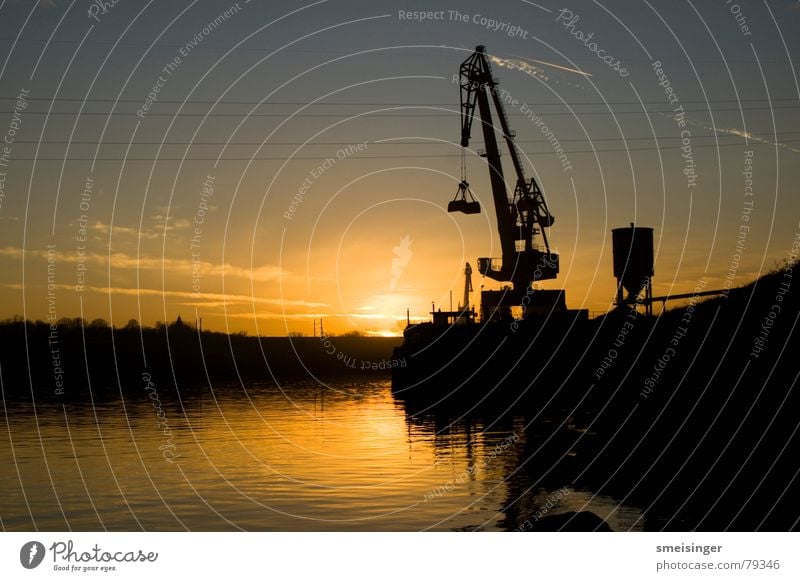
<point>346,456</point>
<point>534,461</point>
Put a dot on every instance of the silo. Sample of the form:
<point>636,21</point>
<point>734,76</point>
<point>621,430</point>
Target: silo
<point>633,261</point>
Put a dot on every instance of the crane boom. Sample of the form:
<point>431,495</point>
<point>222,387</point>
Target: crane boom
<point>525,215</point>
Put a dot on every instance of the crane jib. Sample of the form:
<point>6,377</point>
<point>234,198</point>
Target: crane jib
<point>525,215</point>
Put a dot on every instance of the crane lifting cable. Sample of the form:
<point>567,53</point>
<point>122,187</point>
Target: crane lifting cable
<point>464,200</point>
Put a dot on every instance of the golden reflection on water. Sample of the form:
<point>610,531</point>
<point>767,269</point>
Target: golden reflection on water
<point>301,457</point>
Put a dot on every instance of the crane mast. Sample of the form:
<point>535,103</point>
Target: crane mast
<point>467,287</point>
<point>524,216</point>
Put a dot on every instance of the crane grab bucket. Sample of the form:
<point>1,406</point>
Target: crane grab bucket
<point>464,201</point>
<point>464,206</point>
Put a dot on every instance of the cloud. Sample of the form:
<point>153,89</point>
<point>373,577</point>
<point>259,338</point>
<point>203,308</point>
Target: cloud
<point>274,316</point>
<point>735,132</point>
<point>156,231</point>
<point>161,224</point>
<point>402,255</point>
<point>526,66</point>
<point>117,229</point>
<point>120,260</point>
<point>520,65</point>
<point>295,315</point>
<point>749,136</point>
<point>374,316</point>
<point>199,299</point>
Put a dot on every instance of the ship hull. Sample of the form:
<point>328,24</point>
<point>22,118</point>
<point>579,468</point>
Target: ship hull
<point>502,362</point>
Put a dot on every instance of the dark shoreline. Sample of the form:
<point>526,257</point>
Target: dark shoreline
<point>176,356</point>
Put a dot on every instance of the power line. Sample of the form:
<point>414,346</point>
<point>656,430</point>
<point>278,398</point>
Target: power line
<point>378,104</point>
<point>388,142</point>
<point>370,115</point>
<point>318,158</point>
<point>411,52</point>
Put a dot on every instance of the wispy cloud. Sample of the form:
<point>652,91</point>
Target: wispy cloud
<point>372,316</point>
<point>198,299</point>
<point>120,260</point>
<point>747,135</point>
<point>155,231</point>
<point>124,230</point>
<point>521,65</point>
<point>402,255</point>
<point>526,65</point>
<point>161,224</point>
<point>274,316</point>
<point>750,137</point>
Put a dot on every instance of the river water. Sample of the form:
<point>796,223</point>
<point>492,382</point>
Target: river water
<point>342,456</point>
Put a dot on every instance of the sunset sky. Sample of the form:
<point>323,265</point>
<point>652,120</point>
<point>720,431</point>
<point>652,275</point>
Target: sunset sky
<point>262,165</point>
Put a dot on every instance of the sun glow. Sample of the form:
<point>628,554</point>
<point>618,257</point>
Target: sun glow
<point>385,333</point>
